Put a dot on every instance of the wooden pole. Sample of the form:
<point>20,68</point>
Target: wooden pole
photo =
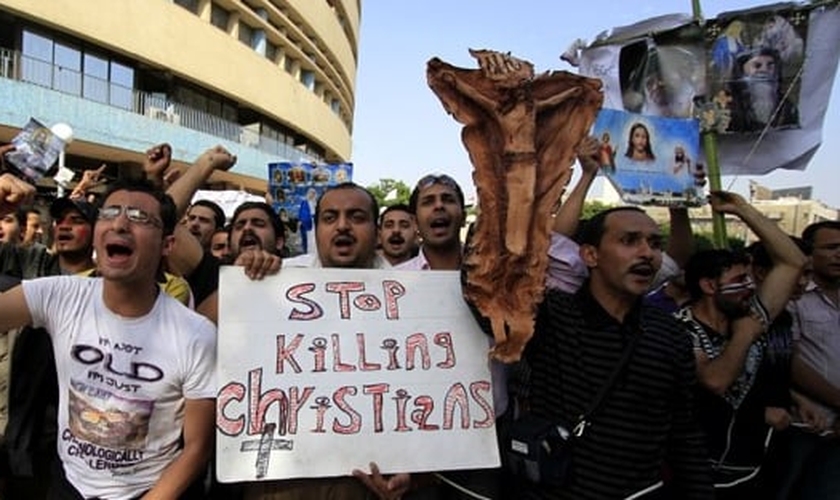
<point>710,149</point>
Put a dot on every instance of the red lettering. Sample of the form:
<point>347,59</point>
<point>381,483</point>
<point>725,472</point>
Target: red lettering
<point>476,390</point>
<point>319,347</point>
<point>231,392</point>
<point>456,397</point>
<point>444,339</point>
<point>402,398</point>
<point>393,290</point>
<point>295,294</point>
<point>338,365</point>
<point>412,343</point>
<point>287,353</point>
<point>258,404</point>
<point>355,419</point>
<point>367,302</point>
<point>425,406</point>
<point>343,290</point>
<point>296,401</point>
<point>377,390</point>
<point>363,363</point>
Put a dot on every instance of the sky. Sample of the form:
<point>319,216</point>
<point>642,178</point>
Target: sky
<point>401,130</point>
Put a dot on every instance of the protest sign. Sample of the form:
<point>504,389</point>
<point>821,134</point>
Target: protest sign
<point>325,370</point>
<point>36,150</point>
<point>651,160</point>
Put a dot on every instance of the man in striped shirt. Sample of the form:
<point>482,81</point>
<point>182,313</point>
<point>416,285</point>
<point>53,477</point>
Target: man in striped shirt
<point>647,420</point>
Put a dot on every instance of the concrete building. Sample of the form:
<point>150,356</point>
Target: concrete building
<point>793,209</point>
<point>271,80</point>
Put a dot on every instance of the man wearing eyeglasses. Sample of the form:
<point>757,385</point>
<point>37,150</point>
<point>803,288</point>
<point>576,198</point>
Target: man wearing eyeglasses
<point>135,368</point>
<point>733,396</point>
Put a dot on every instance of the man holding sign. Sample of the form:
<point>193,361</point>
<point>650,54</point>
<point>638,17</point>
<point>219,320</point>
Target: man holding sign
<point>357,366</point>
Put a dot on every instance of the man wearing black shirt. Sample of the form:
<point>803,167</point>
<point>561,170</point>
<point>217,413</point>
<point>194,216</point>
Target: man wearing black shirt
<point>647,420</point>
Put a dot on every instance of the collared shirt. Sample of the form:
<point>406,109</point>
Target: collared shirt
<point>816,334</point>
<point>312,260</point>
<point>417,263</point>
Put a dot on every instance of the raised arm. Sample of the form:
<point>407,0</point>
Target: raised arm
<point>719,373</point>
<point>567,218</point>
<point>183,189</point>
<point>14,311</point>
<point>788,260</point>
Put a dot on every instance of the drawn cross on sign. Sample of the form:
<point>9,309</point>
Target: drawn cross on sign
<point>264,446</point>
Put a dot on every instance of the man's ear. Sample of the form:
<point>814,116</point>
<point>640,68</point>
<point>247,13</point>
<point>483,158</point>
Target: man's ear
<point>168,245</point>
<point>589,255</point>
<point>708,286</point>
<point>279,242</point>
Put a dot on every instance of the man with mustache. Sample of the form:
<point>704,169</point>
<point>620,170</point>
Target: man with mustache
<point>437,203</point>
<point>398,234</point>
<point>580,337</point>
<point>346,232</point>
<point>255,226</point>
<point>726,320</point>
<point>815,455</point>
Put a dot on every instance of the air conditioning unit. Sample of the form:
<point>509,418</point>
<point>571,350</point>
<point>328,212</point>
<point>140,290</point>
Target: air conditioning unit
<point>163,114</point>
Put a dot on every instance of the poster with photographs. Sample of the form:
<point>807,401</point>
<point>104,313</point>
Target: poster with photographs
<point>755,62</point>
<point>661,75</point>
<point>295,187</point>
<point>651,160</point>
<point>36,150</point>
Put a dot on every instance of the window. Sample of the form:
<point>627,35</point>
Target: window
<point>246,34</point>
<point>219,17</point>
<point>335,106</point>
<point>36,63</point>
<point>190,5</point>
<point>289,65</point>
<point>95,79</point>
<point>122,84</point>
<point>307,78</point>
<point>270,51</point>
<point>67,74</point>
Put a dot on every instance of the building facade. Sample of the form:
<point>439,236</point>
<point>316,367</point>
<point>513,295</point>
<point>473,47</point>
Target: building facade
<point>271,80</point>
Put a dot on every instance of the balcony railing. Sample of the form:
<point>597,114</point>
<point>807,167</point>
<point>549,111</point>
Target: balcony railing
<point>16,66</point>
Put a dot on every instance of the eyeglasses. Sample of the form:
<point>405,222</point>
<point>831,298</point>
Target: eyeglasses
<point>438,179</point>
<point>133,214</point>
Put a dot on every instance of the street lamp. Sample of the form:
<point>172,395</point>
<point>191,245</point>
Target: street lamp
<point>64,174</point>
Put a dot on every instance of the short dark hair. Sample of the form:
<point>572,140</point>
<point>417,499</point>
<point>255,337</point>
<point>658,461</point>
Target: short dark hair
<point>19,213</point>
<point>761,258</point>
<point>431,180</point>
<point>399,207</point>
<point>710,264</point>
<point>279,227</point>
<point>810,232</point>
<point>168,211</point>
<point>218,213</point>
<point>592,230</point>
<point>374,205</point>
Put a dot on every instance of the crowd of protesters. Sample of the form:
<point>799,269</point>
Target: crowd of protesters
<point>730,360</point>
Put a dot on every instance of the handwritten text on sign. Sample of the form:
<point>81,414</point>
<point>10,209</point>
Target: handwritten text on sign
<point>325,370</point>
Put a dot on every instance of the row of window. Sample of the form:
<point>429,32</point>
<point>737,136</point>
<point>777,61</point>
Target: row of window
<point>74,71</point>
<point>256,39</point>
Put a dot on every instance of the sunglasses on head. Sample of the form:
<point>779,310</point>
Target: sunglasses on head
<point>442,179</point>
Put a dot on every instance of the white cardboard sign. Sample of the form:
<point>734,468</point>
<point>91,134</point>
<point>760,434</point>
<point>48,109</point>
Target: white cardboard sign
<point>325,370</point>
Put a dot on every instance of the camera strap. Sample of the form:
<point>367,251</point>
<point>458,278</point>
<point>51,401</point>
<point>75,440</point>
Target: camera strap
<point>582,421</point>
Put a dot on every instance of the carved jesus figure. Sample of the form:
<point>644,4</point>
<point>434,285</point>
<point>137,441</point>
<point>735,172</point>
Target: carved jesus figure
<point>520,131</point>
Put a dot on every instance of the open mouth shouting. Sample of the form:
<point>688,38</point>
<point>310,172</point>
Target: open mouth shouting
<point>440,225</point>
<point>117,253</point>
<point>344,244</point>
<point>249,241</point>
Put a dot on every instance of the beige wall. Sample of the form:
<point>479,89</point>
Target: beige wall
<point>166,35</point>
